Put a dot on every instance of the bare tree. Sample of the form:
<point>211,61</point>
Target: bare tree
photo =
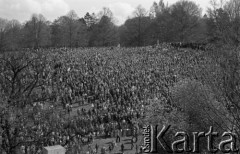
<point>105,12</point>
<point>157,8</point>
<point>35,30</point>
<point>3,24</point>
<point>232,8</point>
<point>186,16</point>
<point>13,35</point>
<point>37,21</point>
<point>71,24</point>
<point>140,13</point>
<point>19,80</point>
<point>225,19</point>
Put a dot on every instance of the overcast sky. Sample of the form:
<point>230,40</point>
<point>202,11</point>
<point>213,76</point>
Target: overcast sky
<point>52,9</point>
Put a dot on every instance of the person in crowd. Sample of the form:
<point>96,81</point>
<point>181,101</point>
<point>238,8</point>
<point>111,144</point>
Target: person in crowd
<point>118,139</point>
<point>96,147</point>
<point>136,148</point>
<point>132,144</point>
<point>122,148</point>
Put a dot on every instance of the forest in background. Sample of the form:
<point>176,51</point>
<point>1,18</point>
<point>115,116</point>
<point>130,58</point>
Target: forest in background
<point>182,21</point>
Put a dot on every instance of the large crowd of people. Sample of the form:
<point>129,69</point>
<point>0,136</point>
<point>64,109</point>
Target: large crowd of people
<point>191,45</point>
<point>115,84</point>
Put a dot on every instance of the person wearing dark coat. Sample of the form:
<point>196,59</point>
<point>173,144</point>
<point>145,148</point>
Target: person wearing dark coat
<point>122,148</point>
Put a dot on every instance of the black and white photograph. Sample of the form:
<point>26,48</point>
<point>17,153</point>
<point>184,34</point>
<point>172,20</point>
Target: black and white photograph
<point>119,76</point>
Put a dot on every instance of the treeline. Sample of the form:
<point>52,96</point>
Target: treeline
<point>179,22</point>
